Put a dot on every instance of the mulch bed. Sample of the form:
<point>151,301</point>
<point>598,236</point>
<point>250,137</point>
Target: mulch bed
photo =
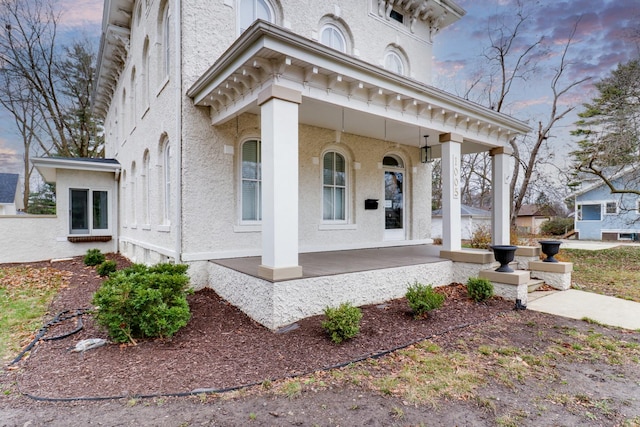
<point>221,347</point>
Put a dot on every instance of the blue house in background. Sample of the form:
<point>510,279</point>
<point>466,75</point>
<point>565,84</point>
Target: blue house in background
<point>601,215</point>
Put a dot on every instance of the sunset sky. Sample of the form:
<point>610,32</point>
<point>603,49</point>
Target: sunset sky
<point>601,42</point>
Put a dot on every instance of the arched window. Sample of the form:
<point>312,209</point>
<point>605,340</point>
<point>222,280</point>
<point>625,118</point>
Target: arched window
<point>394,63</point>
<point>134,97</point>
<point>166,176</point>
<point>165,32</point>
<point>145,177</point>
<point>124,120</point>
<point>331,36</point>
<point>133,197</point>
<point>250,10</point>
<point>334,187</point>
<point>146,72</point>
<point>251,166</point>
<point>123,196</point>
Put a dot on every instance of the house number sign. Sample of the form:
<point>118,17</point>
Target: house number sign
<point>456,177</point>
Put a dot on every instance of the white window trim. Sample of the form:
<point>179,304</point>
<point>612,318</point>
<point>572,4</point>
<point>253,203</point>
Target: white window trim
<point>327,224</point>
<point>579,211</point>
<point>339,31</point>
<point>244,225</point>
<point>91,230</point>
<point>270,7</point>
<point>604,206</point>
<point>404,64</point>
<point>166,182</point>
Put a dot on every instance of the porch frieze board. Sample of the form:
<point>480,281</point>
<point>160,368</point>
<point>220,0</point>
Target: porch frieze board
<point>270,53</point>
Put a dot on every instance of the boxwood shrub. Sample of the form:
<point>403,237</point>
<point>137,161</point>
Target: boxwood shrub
<point>342,323</point>
<point>422,299</point>
<point>144,302</point>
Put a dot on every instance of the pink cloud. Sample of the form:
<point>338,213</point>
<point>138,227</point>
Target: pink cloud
<point>79,13</point>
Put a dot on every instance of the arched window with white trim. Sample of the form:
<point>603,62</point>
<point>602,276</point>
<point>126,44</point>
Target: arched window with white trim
<point>394,62</point>
<point>334,187</point>
<point>251,181</point>
<point>145,177</point>
<point>164,38</point>
<point>332,36</point>
<point>166,176</point>
<point>251,10</point>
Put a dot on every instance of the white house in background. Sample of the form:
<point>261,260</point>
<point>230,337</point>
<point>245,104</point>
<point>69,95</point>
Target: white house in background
<point>471,219</point>
<point>242,128</point>
<point>10,194</point>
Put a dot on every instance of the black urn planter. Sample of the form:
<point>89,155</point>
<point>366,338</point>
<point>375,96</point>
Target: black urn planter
<point>504,254</point>
<point>550,248</point>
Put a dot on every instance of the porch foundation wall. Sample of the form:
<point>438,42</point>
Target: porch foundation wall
<point>276,304</point>
<point>461,271</point>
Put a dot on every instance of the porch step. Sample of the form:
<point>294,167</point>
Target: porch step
<point>534,284</point>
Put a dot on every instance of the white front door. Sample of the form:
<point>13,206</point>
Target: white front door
<point>394,200</point>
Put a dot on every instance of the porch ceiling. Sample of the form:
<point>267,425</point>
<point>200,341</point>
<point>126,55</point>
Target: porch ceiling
<point>342,92</point>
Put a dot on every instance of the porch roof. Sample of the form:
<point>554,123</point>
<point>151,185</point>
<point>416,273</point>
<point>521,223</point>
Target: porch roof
<point>48,166</point>
<point>371,100</point>
<point>316,264</point>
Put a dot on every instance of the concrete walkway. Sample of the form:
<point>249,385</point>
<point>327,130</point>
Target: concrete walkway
<point>579,304</point>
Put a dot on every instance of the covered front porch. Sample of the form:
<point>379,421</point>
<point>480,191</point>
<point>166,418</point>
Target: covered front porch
<point>292,83</point>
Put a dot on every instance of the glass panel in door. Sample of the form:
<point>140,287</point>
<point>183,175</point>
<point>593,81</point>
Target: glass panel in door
<point>393,205</point>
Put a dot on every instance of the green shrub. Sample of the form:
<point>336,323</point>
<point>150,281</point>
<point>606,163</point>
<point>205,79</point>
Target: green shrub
<point>422,299</point>
<point>144,302</point>
<point>556,226</point>
<point>481,237</point>
<point>93,257</point>
<point>479,289</point>
<point>343,322</point>
<point>106,268</point>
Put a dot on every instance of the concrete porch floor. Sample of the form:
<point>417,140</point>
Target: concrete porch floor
<point>318,264</point>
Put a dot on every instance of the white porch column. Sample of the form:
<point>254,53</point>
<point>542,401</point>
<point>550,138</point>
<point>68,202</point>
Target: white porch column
<point>501,212</point>
<point>451,220</point>
<point>279,123</point>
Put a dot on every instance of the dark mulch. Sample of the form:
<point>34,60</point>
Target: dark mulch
<point>221,347</point>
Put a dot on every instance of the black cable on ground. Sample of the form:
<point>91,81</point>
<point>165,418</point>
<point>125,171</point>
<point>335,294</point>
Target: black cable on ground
<point>60,317</point>
<point>198,392</point>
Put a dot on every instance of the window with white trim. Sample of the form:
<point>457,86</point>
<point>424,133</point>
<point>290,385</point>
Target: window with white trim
<point>166,42</point>
<point>146,174</point>
<point>334,187</point>
<point>88,211</point>
<point>611,208</point>
<point>394,63</point>
<point>590,212</point>
<point>332,36</point>
<point>251,10</point>
<point>251,181</point>
<point>166,169</point>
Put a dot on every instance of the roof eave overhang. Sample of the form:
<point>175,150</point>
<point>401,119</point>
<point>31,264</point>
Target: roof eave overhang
<point>48,166</point>
<point>229,80</point>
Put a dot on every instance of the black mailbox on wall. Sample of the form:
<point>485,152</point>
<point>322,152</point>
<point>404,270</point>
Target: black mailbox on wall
<point>371,203</point>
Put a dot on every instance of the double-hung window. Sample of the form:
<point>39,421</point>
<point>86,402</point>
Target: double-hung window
<point>251,181</point>
<point>334,187</point>
<point>89,211</point>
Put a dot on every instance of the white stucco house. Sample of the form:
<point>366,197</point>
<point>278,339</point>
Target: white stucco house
<point>249,137</point>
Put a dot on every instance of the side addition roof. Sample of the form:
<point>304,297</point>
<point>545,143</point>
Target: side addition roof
<point>48,166</point>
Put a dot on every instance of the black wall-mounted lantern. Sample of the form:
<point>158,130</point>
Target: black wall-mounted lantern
<point>425,151</point>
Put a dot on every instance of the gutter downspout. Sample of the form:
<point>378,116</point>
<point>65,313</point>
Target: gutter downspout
<point>178,89</point>
<point>116,216</point>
